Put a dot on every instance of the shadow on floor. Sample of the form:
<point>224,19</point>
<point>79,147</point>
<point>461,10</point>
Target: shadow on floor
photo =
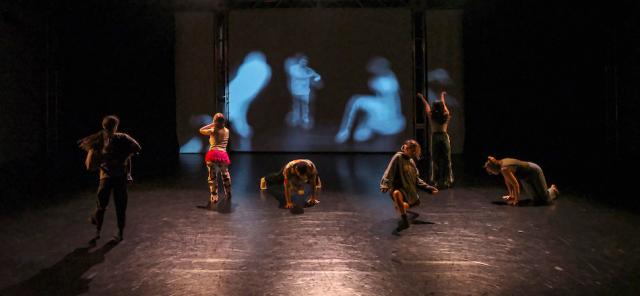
<point>64,277</point>
<point>522,203</point>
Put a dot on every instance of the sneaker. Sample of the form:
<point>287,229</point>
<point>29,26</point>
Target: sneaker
<point>263,184</point>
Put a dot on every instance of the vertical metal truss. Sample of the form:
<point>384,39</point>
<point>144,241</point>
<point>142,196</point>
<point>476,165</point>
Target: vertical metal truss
<point>222,61</point>
<point>420,123</point>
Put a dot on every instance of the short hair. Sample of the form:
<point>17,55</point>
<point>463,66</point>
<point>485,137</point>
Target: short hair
<point>110,123</point>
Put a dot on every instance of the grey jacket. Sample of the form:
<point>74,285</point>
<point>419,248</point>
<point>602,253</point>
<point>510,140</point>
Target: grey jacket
<point>402,174</point>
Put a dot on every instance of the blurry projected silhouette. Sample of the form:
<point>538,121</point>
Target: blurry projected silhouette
<point>381,111</point>
<point>252,76</point>
<point>440,79</point>
<point>300,82</point>
<point>196,143</point>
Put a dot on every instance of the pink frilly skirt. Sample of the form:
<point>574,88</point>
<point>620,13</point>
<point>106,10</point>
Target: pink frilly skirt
<point>217,156</point>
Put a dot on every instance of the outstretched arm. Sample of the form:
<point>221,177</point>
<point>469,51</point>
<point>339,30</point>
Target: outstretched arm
<point>443,95</point>
<point>426,187</point>
<point>135,146</point>
<point>427,108</point>
<point>315,76</point>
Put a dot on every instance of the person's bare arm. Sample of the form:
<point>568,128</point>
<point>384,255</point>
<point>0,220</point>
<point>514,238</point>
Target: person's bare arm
<point>313,179</point>
<point>512,184</point>
<point>426,187</point>
<point>88,161</point>
<point>206,130</point>
<point>287,190</point>
<point>287,196</point>
<point>443,95</point>
<point>427,108</point>
<point>135,146</point>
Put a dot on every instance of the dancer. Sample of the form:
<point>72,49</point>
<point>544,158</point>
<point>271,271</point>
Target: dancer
<point>294,175</point>
<point>382,111</point>
<point>517,172</point>
<point>439,118</point>
<point>401,180</point>
<point>217,159</point>
<point>110,152</point>
<point>300,76</point>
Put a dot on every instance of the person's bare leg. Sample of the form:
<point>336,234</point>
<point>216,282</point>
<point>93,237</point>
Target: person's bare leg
<point>402,209</point>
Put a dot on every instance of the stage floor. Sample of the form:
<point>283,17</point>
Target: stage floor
<point>344,246</point>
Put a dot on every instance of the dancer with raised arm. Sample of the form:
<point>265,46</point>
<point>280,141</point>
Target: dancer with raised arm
<point>217,159</point>
<point>439,118</point>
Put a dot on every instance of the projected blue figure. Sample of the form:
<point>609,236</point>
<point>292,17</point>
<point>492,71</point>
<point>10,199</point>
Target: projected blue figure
<point>195,143</point>
<point>381,111</point>
<point>252,76</point>
<point>300,81</point>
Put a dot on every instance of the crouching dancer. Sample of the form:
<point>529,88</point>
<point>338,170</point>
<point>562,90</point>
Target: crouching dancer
<point>401,180</point>
<point>528,174</point>
<point>294,176</point>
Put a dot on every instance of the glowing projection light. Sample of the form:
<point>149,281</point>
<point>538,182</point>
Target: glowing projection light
<point>194,145</point>
<point>301,78</point>
<point>382,110</point>
<point>197,143</point>
<point>252,76</point>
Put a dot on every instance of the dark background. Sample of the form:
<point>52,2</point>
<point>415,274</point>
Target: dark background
<point>555,84</point>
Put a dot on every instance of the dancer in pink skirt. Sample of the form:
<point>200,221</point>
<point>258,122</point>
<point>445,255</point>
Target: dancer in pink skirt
<point>217,158</point>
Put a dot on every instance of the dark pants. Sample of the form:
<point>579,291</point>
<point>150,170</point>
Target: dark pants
<point>536,185</point>
<point>120,196</point>
<point>275,178</point>
<point>441,150</point>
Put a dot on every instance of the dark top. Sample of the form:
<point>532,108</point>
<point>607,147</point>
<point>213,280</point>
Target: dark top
<point>115,154</point>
